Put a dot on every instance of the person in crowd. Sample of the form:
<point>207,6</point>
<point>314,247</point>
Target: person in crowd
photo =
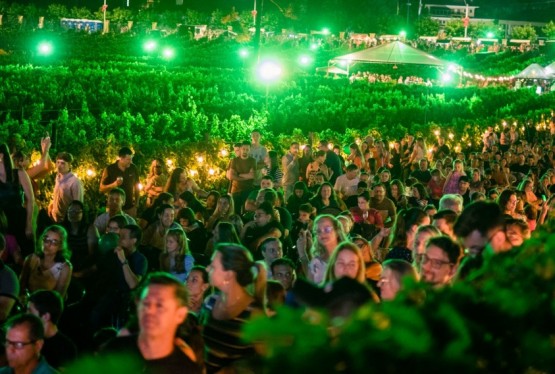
<point>176,258</point>
<point>356,157</point>
<point>451,185</point>
<point>11,254</point>
<point>224,232</point>
<point>392,276</point>
<point>507,201</point>
<point>440,262</point>
<point>526,186</point>
<point>464,189</point>
<point>154,237</point>
<point>14,183</point>
<point>368,221</point>
<point>326,200</point>
<point>476,183</point>
<point>242,172</point>
<point>419,152</point>
<point>395,161</point>
<point>372,266</point>
<point>346,261</point>
<point>272,169</point>
<point>326,235</point>
<point>445,220</point>
<point>9,285</point>
<point>291,170</point>
<point>198,285</point>
<point>423,234</point>
<point>383,204</point>
<point>188,200</point>
<point>347,184</point>
<point>241,285</point>
<point>115,224</point>
<point>517,231</point>
<point>180,182</point>
<point>116,202</point>
<point>403,233</point>
<point>58,349</point>
<point>300,195</point>
<point>435,186</point>
<point>24,340</point>
<point>283,271</point>
<point>259,153</point>
<point>196,233</point>
<point>265,225</point>
<point>210,204</point>
<point>155,181</point>
<point>125,175</point>
<point>422,174</point>
<point>332,161</point>
<point>270,249</point>
<point>49,267</point>
<point>396,193</point>
<point>225,211</point>
<point>419,197</point>
<point>68,188</point>
<point>82,237</point>
<point>317,166</point>
<point>452,202</point>
<point>148,215</point>
<point>161,309</point>
<point>119,273</point>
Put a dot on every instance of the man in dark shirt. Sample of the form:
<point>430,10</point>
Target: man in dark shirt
<point>58,349</point>
<point>332,161</point>
<point>241,173</point>
<point>161,309</point>
<point>423,174</point>
<point>124,174</point>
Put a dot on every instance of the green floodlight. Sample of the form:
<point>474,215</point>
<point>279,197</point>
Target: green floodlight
<point>269,71</point>
<point>45,48</point>
<point>244,52</point>
<point>490,35</point>
<point>305,60</point>
<point>314,46</point>
<point>403,34</point>
<point>325,31</point>
<point>168,53</point>
<point>150,46</point>
<point>446,77</point>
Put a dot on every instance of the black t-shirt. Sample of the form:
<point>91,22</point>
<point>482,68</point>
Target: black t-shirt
<point>176,362</point>
<point>59,350</point>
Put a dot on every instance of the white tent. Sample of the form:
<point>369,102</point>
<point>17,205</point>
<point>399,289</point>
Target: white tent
<point>550,70</point>
<point>533,71</point>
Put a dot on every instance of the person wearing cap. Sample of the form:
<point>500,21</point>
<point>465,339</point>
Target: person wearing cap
<point>68,188</point>
<point>125,175</point>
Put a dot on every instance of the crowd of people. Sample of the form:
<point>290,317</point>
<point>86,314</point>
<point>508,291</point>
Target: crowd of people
<point>172,283</point>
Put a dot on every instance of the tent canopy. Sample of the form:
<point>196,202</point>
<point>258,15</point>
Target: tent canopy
<point>331,70</point>
<point>533,71</point>
<point>550,69</point>
<point>392,53</point>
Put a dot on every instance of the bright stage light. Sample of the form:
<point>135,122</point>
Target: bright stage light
<point>45,48</point>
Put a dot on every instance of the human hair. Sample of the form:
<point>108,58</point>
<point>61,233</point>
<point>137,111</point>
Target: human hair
<point>192,201</point>
<point>270,196</point>
<point>135,232</point>
<point>161,208</point>
<point>249,274</point>
<point>406,218</point>
<point>65,156</point>
<point>301,186</point>
<point>118,191</point>
<point>229,199</point>
<point>173,181</point>
<point>275,294</point>
<point>125,151</point>
<point>504,197</point>
<point>182,249</point>
<point>282,261</point>
<point>119,219</point>
<point>227,233</point>
<point>400,187</point>
<point>451,248</point>
<point>422,193</point>
<point>351,167</point>
<point>64,253</point>
<point>333,196</point>
<point>317,154</point>
<point>34,324</point>
<point>306,208</point>
<point>161,278</point>
<point>8,162</point>
<point>262,246</point>
<point>203,272</point>
<point>318,250</point>
<point>186,213</point>
<point>214,193</point>
<point>48,301</point>
<point>448,215</point>
<point>351,247</point>
<point>426,229</point>
<point>83,225</point>
<point>267,208</point>
<point>365,195</point>
<point>400,269</point>
<point>152,169</point>
<point>450,201</point>
<point>274,162</point>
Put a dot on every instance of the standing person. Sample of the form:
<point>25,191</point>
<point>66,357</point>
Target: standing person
<point>15,183</point>
<point>259,153</point>
<point>242,173</point>
<point>24,340</point>
<point>58,349</point>
<point>161,309</point>
<point>155,181</point>
<point>123,173</point>
<point>116,202</point>
<point>67,188</point>
<point>242,293</point>
<point>272,170</point>
<point>332,161</point>
<point>290,167</point>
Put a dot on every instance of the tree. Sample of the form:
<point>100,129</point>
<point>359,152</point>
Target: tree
<point>526,32</point>
<point>549,30</point>
<point>426,26</point>
<point>454,27</point>
<point>80,13</point>
<point>56,11</point>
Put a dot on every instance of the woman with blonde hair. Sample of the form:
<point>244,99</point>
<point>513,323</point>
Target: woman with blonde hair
<point>176,258</point>
<point>346,261</point>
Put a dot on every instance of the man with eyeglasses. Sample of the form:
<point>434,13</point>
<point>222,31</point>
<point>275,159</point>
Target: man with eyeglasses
<point>23,341</point>
<point>440,261</point>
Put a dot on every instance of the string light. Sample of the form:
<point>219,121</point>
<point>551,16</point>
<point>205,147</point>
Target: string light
<point>200,159</point>
<point>224,152</point>
<point>90,173</point>
<point>211,171</point>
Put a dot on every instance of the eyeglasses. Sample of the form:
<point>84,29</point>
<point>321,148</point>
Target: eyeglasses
<point>436,263</point>
<point>18,345</point>
<point>50,241</point>
<point>325,230</point>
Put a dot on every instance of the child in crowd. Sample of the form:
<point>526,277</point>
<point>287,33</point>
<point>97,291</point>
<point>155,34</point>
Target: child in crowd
<point>176,258</point>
